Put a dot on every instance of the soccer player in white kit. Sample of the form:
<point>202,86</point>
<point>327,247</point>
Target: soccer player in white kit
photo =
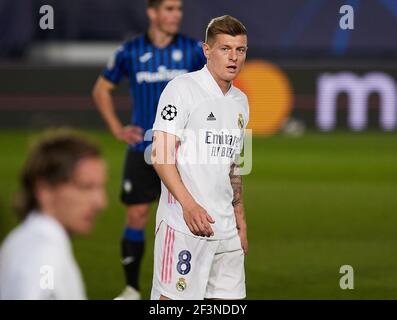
<point>201,233</point>
<point>62,189</point>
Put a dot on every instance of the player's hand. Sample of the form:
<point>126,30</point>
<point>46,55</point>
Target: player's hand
<point>242,232</point>
<point>130,134</point>
<point>198,220</point>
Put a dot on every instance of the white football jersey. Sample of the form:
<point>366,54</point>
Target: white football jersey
<point>37,262</point>
<point>210,126</point>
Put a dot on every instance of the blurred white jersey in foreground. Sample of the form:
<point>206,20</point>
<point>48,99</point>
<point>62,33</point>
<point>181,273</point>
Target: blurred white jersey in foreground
<point>37,262</point>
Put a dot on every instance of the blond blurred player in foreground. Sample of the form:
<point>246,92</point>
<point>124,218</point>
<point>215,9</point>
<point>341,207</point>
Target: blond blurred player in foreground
<point>62,190</point>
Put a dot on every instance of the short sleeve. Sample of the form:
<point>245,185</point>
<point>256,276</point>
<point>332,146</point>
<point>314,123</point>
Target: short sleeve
<point>172,110</point>
<point>117,66</point>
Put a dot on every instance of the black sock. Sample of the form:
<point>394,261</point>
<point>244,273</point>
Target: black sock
<point>132,253</point>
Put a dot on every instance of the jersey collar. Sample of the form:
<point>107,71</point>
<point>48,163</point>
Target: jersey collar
<point>212,84</point>
<point>149,41</point>
<point>50,226</point>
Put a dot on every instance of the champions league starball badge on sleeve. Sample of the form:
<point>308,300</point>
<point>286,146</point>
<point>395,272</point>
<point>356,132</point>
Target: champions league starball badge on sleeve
<point>169,112</point>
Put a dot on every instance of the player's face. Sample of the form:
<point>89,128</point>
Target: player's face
<point>226,56</point>
<point>77,203</point>
<point>167,17</point>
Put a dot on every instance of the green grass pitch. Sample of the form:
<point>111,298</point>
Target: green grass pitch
<point>313,204</point>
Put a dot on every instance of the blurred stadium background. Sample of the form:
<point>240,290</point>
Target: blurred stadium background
<point>322,192</point>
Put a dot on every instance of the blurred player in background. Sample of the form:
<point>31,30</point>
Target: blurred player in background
<point>62,190</point>
<point>201,233</point>
<point>148,62</point>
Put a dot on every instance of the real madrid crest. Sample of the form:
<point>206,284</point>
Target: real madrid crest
<point>240,121</point>
<point>181,284</point>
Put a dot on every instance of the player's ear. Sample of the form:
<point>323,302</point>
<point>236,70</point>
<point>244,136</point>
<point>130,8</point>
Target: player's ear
<point>206,49</point>
<point>43,193</point>
<point>151,13</point>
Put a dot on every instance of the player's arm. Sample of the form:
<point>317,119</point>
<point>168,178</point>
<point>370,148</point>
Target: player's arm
<point>103,98</point>
<point>236,180</point>
<point>163,158</point>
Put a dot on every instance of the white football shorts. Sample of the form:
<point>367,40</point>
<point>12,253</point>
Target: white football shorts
<point>190,268</point>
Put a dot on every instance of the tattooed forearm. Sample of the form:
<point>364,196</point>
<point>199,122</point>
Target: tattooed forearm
<point>237,184</point>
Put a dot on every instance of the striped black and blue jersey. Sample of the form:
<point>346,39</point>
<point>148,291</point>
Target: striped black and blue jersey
<point>148,70</point>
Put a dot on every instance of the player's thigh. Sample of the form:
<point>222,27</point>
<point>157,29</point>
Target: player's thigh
<point>181,265</point>
<point>140,182</point>
<point>227,276</point>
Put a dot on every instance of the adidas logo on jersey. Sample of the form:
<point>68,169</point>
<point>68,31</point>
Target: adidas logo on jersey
<point>211,117</point>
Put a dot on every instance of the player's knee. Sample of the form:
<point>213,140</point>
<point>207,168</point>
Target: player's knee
<point>137,216</point>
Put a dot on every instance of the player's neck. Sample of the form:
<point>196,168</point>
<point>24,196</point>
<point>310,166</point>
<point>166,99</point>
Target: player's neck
<point>49,212</point>
<point>159,38</point>
<point>223,85</point>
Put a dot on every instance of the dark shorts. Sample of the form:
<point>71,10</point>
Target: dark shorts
<point>140,183</point>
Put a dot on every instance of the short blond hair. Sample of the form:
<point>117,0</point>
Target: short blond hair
<point>224,25</point>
